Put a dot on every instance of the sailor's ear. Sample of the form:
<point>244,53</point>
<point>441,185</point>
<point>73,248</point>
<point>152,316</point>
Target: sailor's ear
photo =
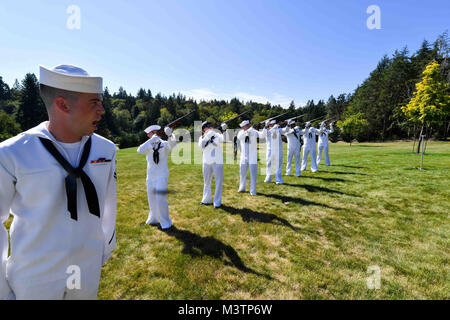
<point>61,104</point>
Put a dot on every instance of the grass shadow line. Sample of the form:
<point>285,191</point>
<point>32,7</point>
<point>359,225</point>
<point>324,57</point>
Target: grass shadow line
<point>328,179</point>
<point>347,166</point>
<point>311,188</point>
<point>301,201</point>
<point>249,215</point>
<point>196,245</point>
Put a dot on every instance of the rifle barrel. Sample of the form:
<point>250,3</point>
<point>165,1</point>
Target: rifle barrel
<point>179,119</point>
<point>274,117</point>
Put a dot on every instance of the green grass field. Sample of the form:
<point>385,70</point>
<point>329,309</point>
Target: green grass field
<point>312,238</point>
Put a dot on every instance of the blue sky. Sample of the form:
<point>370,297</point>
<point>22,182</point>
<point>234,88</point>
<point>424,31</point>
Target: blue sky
<point>274,51</point>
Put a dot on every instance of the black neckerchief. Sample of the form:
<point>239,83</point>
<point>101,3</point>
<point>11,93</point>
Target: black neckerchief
<point>71,179</point>
<point>210,141</point>
<point>156,153</point>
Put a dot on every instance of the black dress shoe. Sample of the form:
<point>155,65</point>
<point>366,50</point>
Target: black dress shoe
<point>205,204</point>
<point>217,207</point>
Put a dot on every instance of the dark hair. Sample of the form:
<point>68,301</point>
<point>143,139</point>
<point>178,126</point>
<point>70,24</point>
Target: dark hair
<point>49,94</point>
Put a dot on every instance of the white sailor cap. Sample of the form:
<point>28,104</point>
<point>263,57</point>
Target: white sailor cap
<point>322,124</point>
<point>273,122</point>
<point>291,122</point>
<point>307,124</point>
<point>244,123</point>
<point>206,124</point>
<point>70,78</point>
<point>151,128</point>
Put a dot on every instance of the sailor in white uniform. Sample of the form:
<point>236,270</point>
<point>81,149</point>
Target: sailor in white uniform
<point>323,142</point>
<point>309,146</point>
<point>211,145</point>
<point>293,148</point>
<point>249,155</point>
<point>157,153</point>
<point>274,151</point>
<point>58,181</point>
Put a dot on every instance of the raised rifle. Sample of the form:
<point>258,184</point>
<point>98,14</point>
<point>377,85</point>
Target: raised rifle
<point>230,120</point>
<point>239,115</point>
<point>273,118</point>
<point>258,125</point>
<point>175,123</point>
<point>287,120</point>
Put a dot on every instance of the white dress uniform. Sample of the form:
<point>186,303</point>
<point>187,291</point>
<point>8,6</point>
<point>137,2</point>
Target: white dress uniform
<point>294,145</point>
<point>211,145</point>
<point>309,147</point>
<point>274,153</point>
<point>249,156</point>
<point>323,143</point>
<point>45,240</point>
<point>157,154</point>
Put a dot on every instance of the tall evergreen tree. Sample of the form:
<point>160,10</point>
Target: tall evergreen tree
<point>291,107</point>
<point>141,94</point>
<point>31,110</point>
<point>107,126</point>
<point>5,93</point>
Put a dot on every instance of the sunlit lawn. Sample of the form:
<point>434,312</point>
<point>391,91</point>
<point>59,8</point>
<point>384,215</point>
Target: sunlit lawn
<point>312,238</point>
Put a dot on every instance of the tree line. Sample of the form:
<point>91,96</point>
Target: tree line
<point>398,100</point>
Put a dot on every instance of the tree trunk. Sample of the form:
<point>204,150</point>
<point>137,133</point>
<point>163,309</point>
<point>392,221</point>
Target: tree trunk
<point>446,131</point>
<point>426,139</point>
<point>414,133</point>
<point>420,140</point>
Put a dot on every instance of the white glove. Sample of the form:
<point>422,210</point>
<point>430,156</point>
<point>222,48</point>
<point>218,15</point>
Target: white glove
<point>168,131</point>
<point>223,126</point>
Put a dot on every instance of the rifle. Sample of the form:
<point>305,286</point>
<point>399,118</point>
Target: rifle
<point>231,119</point>
<point>311,121</point>
<point>316,119</point>
<point>239,115</point>
<point>287,120</point>
<point>174,123</point>
<point>258,125</point>
<point>274,117</point>
<point>330,120</point>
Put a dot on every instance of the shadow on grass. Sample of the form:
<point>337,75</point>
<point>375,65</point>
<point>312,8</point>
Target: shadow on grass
<point>328,179</point>
<point>198,246</point>
<point>366,146</point>
<point>296,200</point>
<point>347,166</point>
<point>319,189</point>
<point>342,172</point>
<point>255,216</point>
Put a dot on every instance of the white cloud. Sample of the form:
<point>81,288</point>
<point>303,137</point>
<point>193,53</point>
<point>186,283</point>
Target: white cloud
<point>208,94</point>
<point>251,97</point>
<point>201,94</point>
